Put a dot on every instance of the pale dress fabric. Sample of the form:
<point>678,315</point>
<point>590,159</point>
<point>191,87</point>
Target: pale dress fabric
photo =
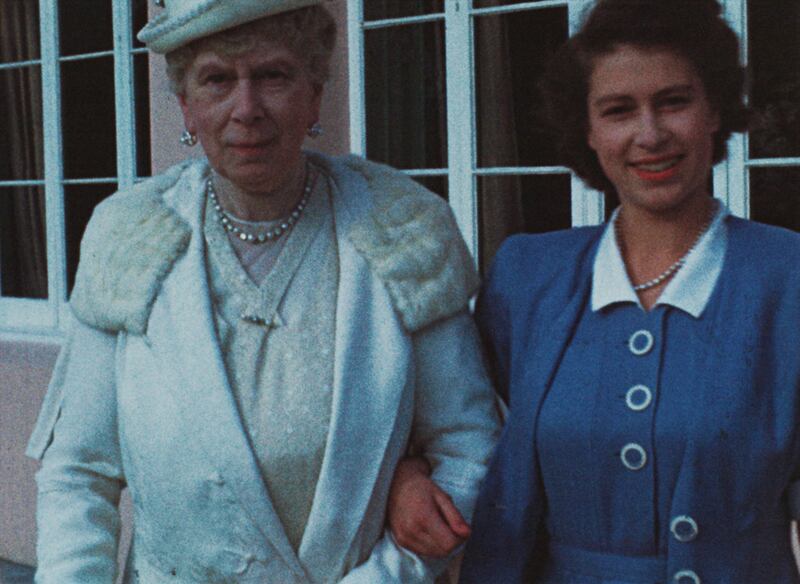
<point>280,368</point>
<point>285,418</point>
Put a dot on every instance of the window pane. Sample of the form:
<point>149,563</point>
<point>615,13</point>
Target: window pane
<point>775,197</point>
<point>79,202</point>
<point>19,30</point>
<point>85,26</point>
<point>774,46</point>
<point>139,19</point>
<point>380,9</point>
<point>23,252</point>
<point>511,53</point>
<point>514,204</point>
<point>21,140</point>
<point>88,116</point>
<point>437,184</point>
<point>141,88</point>
<point>493,3</point>
<point>405,95</point>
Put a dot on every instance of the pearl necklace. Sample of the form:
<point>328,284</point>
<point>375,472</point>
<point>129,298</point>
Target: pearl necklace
<point>271,234</point>
<point>675,267</point>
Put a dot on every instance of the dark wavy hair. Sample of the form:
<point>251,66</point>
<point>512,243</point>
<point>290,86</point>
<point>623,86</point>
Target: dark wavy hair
<point>695,29</point>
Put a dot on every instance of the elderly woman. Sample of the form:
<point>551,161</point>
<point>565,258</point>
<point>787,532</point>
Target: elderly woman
<point>259,337</point>
<point>651,365</point>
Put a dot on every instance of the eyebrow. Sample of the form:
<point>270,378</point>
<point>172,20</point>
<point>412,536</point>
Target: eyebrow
<point>268,65</point>
<point>211,66</point>
<point>615,97</point>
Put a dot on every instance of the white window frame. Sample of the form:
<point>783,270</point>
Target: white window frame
<point>47,318</point>
<point>731,177</point>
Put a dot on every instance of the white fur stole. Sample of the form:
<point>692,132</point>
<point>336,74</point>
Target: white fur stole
<point>410,240</point>
<point>127,250</point>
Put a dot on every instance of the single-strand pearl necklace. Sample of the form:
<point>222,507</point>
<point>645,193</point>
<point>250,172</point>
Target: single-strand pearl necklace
<point>674,268</point>
<point>271,234</point>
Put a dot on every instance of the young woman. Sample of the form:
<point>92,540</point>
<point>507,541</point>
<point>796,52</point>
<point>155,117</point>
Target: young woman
<point>651,365</point>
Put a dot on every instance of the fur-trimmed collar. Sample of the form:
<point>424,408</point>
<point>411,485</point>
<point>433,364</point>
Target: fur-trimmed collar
<point>409,238</point>
<point>412,242</point>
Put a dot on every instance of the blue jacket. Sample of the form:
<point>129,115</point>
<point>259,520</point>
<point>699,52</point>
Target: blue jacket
<point>743,447</point>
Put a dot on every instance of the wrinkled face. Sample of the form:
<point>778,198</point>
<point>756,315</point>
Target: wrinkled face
<point>651,126</point>
<point>251,113</point>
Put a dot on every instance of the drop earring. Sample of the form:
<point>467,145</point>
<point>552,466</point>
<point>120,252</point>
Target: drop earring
<point>188,139</point>
<point>315,131</point>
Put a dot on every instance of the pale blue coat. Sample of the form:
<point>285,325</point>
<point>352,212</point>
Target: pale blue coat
<point>140,396</point>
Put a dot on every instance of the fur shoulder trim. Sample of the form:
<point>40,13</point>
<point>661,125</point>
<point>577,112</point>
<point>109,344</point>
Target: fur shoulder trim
<point>129,247</point>
<point>412,242</point>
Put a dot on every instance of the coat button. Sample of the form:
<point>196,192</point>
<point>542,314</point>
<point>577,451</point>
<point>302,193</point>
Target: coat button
<point>633,456</point>
<point>640,342</point>
<point>686,577</point>
<point>684,528</point>
<point>638,397</point>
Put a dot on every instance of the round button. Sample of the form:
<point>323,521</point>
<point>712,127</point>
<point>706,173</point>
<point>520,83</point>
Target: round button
<point>684,528</point>
<point>638,397</point>
<point>686,577</point>
<point>640,342</point>
<point>633,456</point>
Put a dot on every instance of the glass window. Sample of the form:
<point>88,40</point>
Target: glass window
<point>22,143</point>
<point>138,19</point>
<point>773,43</point>
<point>521,204</point>
<point>496,3</point>
<point>511,51</point>
<point>23,247</point>
<point>79,202</point>
<point>88,118</point>
<point>19,30</point>
<point>437,184</point>
<point>60,99</point>
<point>141,88</point>
<point>23,252</point>
<point>775,196</point>
<point>405,95</point>
<point>774,57</point>
<point>503,173</point>
<point>384,9</point>
<point>86,26</point>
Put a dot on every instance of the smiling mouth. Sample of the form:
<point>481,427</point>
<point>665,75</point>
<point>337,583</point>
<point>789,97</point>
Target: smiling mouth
<point>657,170</point>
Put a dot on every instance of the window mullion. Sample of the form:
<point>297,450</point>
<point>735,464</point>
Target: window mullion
<point>731,182</point>
<point>459,51</point>
<point>53,160</point>
<point>356,67</point>
<point>123,93</point>
<point>588,205</point>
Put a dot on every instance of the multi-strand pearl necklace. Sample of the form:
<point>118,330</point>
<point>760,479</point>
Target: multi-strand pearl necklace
<point>271,234</point>
<point>675,267</point>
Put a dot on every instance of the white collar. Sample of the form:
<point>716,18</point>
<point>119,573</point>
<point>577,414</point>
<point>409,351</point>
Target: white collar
<point>691,287</point>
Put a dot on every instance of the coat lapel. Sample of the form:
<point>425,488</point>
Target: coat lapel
<point>371,372</point>
<point>183,333</point>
